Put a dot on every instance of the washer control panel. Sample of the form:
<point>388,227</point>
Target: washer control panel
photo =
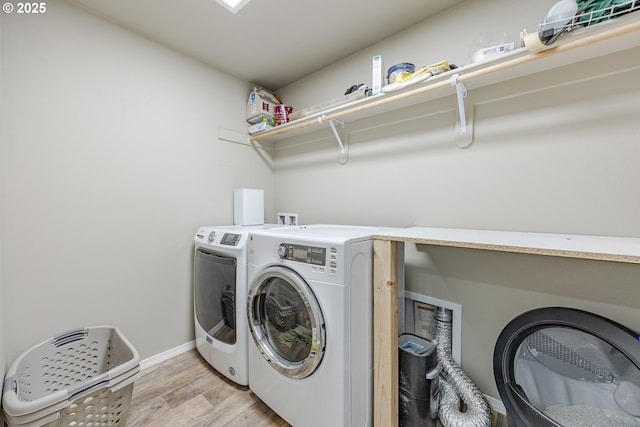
<point>301,253</point>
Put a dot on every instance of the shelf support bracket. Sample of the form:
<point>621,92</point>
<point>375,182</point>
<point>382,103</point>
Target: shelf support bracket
<point>464,127</point>
<point>343,153</point>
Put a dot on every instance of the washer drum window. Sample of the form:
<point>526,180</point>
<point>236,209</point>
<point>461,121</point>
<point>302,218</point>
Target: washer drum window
<point>286,322</point>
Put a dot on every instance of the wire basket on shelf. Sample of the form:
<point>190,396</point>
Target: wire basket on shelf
<point>594,11</point>
<point>590,12</point>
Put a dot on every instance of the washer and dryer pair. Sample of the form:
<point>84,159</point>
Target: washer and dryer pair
<point>309,312</point>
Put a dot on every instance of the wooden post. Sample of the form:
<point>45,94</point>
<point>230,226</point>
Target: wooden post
<point>385,333</point>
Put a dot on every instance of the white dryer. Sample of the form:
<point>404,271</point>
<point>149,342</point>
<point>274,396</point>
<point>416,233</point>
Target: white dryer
<point>220,296</point>
<point>310,317</point>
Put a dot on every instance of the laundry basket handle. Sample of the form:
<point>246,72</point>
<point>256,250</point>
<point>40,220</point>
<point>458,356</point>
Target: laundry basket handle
<point>87,387</point>
<point>68,337</point>
<point>9,385</point>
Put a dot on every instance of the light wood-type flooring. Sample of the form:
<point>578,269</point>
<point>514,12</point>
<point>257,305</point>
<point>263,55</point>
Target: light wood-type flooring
<point>186,391</point>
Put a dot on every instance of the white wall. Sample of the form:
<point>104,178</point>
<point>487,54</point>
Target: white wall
<point>453,35</point>
<point>552,152</point>
<point>110,163</point>
<point>3,347</point>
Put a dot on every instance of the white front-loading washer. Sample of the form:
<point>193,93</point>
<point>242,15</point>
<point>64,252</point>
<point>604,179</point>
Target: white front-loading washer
<point>220,296</point>
<point>310,317</point>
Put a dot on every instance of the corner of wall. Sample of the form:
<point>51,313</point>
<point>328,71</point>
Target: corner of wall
<point>3,348</point>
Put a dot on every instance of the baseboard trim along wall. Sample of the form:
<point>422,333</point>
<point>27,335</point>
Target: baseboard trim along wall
<point>496,405</point>
<point>165,355</point>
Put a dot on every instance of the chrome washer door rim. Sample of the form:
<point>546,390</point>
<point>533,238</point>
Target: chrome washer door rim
<point>257,327</point>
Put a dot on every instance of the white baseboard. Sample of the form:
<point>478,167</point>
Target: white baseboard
<point>496,405</point>
<point>154,360</point>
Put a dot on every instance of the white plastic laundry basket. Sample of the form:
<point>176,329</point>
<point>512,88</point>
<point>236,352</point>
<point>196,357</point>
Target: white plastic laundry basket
<point>79,378</point>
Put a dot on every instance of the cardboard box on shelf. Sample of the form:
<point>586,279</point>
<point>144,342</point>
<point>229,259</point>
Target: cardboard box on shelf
<point>261,103</point>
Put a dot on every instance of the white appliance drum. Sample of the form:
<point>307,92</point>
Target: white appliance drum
<point>566,367</point>
<point>286,322</point>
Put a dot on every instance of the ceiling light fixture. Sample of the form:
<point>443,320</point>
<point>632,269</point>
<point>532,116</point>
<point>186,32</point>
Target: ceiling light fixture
<point>233,6</point>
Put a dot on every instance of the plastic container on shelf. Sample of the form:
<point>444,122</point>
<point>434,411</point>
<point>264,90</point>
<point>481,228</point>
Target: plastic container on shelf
<point>399,72</point>
<point>492,44</point>
<point>80,377</point>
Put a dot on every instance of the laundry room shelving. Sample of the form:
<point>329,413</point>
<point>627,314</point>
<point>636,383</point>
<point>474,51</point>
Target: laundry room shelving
<point>385,283</point>
<point>579,45</point>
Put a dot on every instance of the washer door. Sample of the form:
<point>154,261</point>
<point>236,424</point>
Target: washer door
<point>214,295</point>
<point>286,322</point>
<point>566,367</point>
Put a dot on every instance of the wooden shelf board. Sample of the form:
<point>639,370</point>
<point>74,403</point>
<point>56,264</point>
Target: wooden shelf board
<point>601,248</point>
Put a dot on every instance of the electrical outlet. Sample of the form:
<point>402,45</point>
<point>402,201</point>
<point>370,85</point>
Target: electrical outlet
<point>287,219</point>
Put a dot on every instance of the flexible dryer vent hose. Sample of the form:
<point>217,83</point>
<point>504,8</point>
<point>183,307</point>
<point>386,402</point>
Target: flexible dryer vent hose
<point>455,385</point>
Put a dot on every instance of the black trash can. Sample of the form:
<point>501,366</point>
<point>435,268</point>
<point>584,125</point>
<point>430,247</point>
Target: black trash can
<point>418,382</point>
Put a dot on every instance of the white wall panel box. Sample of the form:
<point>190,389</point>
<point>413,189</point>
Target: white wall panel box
<point>248,206</point>
<point>287,219</point>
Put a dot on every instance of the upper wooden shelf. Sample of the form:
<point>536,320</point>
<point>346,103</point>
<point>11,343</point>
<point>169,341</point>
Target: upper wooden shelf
<point>579,45</point>
<point>600,248</point>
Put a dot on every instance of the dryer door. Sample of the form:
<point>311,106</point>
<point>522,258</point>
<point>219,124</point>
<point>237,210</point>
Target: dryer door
<point>214,295</point>
<point>286,322</point>
<point>566,367</point>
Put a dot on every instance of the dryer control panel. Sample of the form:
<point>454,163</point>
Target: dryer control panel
<point>208,237</point>
<point>308,254</point>
<point>230,239</point>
